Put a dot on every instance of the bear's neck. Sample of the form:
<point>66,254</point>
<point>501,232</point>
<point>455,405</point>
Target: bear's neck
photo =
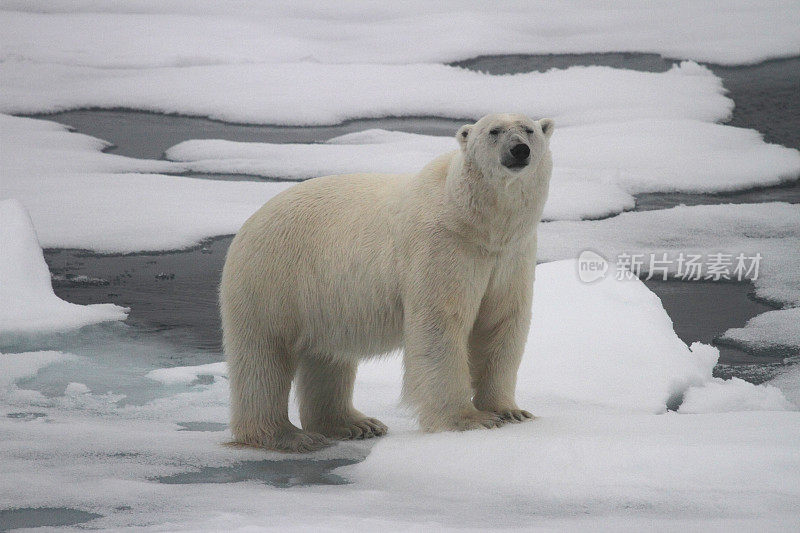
<point>497,211</point>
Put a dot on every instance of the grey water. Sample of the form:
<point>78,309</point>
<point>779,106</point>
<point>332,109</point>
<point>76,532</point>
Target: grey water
<point>28,517</point>
<point>173,295</point>
<point>147,135</point>
<point>285,473</point>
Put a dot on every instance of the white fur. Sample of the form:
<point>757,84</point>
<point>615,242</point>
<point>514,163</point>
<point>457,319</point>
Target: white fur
<point>341,268</point>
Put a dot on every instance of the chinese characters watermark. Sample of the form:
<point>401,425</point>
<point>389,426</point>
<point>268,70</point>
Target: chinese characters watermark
<point>682,266</point>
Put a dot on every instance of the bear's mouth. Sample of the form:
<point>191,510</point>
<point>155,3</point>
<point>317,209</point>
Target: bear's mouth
<point>516,165</point>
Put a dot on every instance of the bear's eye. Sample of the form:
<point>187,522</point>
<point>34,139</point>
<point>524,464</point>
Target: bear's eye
<point>528,131</point>
<point>494,131</point>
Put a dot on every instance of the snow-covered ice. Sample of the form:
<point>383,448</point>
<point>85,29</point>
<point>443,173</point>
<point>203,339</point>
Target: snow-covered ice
<point>187,374</point>
<point>769,229</point>
<point>644,369</point>
<point>637,156</point>
<point>27,302</point>
<point>788,380</point>
<point>170,33</point>
<point>317,94</point>
<point>79,197</point>
<point>574,194</point>
<point>735,394</point>
<point>598,168</point>
<point>774,332</point>
<point>602,449</point>
<point>596,468</point>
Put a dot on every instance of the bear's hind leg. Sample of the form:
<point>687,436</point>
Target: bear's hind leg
<point>260,378</point>
<point>325,391</point>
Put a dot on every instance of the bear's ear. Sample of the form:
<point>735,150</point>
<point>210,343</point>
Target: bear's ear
<point>463,135</point>
<point>547,125</point>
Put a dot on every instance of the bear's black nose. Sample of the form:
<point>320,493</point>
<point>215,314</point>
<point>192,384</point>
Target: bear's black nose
<point>520,152</point>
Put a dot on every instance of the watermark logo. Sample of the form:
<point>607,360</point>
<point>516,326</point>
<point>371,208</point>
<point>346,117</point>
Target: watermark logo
<point>591,266</point>
<point>682,266</point>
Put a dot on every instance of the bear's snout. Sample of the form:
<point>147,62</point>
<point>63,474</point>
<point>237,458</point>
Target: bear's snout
<point>518,156</point>
<point>521,152</point>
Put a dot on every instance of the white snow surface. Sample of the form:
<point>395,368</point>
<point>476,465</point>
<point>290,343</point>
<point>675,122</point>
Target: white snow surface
<point>79,197</point>
<point>769,229</point>
<point>27,301</point>
<point>170,33</point>
<point>774,332</point>
<point>733,395</point>
<point>789,382</point>
<point>187,374</point>
<point>601,452</point>
<point>317,94</point>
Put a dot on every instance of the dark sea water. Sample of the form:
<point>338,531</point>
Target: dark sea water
<point>42,516</point>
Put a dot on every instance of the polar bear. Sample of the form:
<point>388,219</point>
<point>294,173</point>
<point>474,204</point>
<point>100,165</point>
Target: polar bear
<point>340,268</point>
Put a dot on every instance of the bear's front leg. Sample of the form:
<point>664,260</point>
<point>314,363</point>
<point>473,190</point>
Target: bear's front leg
<point>497,342</point>
<point>438,320</point>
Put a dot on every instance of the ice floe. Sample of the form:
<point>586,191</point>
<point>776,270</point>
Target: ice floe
<point>79,197</point>
<point>769,229</point>
<point>318,94</point>
<point>598,168</point>
<point>733,395</point>
<point>27,301</point>
<point>137,34</point>
<point>774,332</point>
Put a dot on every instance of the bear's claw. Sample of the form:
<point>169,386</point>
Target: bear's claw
<point>478,420</point>
<point>515,415</point>
<point>365,428</point>
<point>298,441</point>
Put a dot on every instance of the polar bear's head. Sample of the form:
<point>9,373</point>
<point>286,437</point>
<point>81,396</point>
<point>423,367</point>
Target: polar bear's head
<point>505,143</point>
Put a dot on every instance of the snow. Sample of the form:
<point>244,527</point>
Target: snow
<point>598,168</point>
<point>140,34</point>
<point>771,332</point>
<point>595,464</point>
<point>187,374</point>
<point>769,229</point>
<point>318,94</point>
<point>79,197</point>
<point>788,381</point>
<point>76,389</point>
<point>597,454</point>
<point>27,301</point>
<point>383,152</point>
<point>642,370</point>
<point>733,395</point>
